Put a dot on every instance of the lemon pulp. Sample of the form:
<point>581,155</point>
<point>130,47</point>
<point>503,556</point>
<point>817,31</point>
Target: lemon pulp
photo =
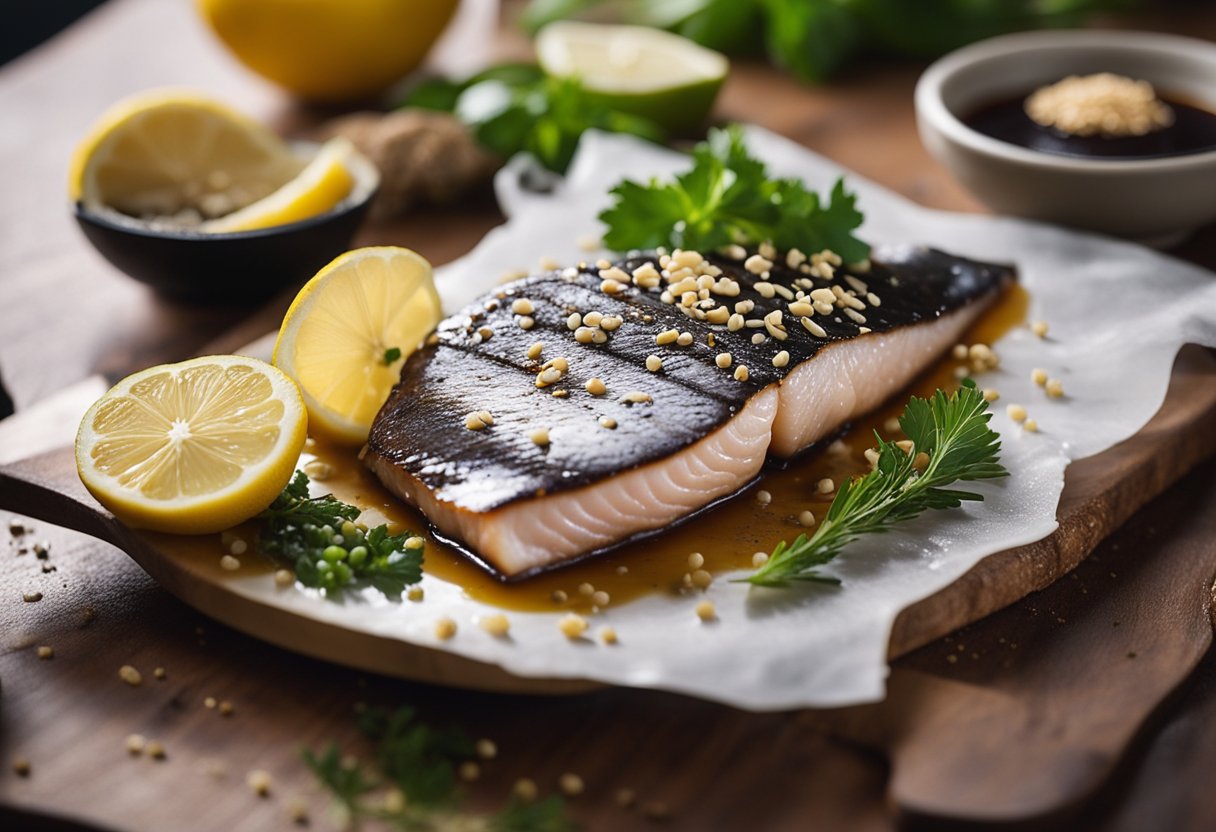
<point>193,447</point>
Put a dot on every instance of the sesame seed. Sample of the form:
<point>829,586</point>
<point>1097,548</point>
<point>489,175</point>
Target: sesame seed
<point>855,315</point>
<point>612,287</point>
<point>806,519</point>
<point>599,336</point>
<point>766,250</point>
<point>32,597</point>
<point>781,359</point>
<point>759,559</point>
<point>824,295</point>
<point>723,360</point>
<point>959,352</point>
<point>130,675</point>
<point>718,316</point>
<point>154,750</point>
<point>570,784</point>
<point>1016,412</point>
<point>826,485</point>
<point>801,308</point>
<point>765,289</point>
<point>226,708</point>
<point>991,395</point>
<point>415,593</point>
<point>611,323</point>
<point>696,560</point>
<point>572,626</point>
<point>734,252</point>
<point>1038,376</point>
<point>608,635</point>
<point>534,351</point>
<point>209,702</point>
<point>539,436</point>
<point>759,338</point>
<point>585,589</point>
<point>595,386</point>
<point>445,628</point>
<point>1030,426</point>
<point>872,456</point>
<point>473,421</point>
<point>229,563</point>
<point>763,497</point>
<point>741,373</point>
<point>258,782</point>
<point>601,598</point>
<point>525,789</point>
<point>706,611</point>
<point>794,258</point>
<point>921,461</point>
<point>702,579</point>
<point>687,259</point>
<point>905,445</point>
<point>857,283</point>
<point>891,425</point>
<point>547,376</point>
<point>496,625</point>
<point>1054,388</point>
<point>814,328</point>
<point>45,652</point>
<point>654,363</point>
<point>602,264</point>
<point>685,339</point>
<point>607,422</point>
<point>667,336</point>
<point>636,397</point>
<point>823,307</point>
<point>1039,328</point>
<point>655,810</point>
<point>625,798</point>
<point>558,596</point>
<point>486,749</point>
<point>525,322</point>
<point>735,322</point>
<point>415,542</point>
<point>756,264</point>
<point>135,744</point>
<point>873,299</point>
<point>584,335</point>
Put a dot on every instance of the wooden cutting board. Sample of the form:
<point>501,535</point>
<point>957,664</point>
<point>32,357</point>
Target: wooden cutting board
<point>1100,494</point>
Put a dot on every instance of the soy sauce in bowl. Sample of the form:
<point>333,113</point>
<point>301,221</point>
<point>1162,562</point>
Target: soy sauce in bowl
<point>1193,131</point>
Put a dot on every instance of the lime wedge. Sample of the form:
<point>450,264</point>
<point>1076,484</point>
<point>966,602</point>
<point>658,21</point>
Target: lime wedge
<point>636,69</point>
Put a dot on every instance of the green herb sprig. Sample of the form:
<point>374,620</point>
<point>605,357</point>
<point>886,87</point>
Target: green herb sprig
<point>727,197</point>
<point>319,537</point>
<point>416,763</point>
<point>951,430</point>
<point>515,107</point>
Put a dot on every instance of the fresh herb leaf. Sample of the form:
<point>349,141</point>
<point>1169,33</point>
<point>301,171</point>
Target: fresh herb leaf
<point>391,354</point>
<point>515,108</point>
<point>416,764</point>
<point>727,197</point>
<point>952,431</point>
<point>319,537</point>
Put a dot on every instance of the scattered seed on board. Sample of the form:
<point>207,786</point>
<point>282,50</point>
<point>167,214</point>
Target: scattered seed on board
<point>469,771</point>
<point>540,437</point>
<point>701,579</point>
<point>570,784</point>
<point>525,789</point>
<point>155,750</point>
<point>486,749</point>
<point>130,675</point>
<point>1030,426</point>
<point>226,708</point>
<point>284,577</point>
<point>991,394</point>
<point>1016,412</point>
<point>608,635</point>
<point>258,782</point>
<point>32,597</point>
<point>1054,388</point>
<point>696,560</point>
<point>763,497</point>
<point>21,767</point>
<point>759,559</point>
<point>209,702</point>
<point>415,593</point>
<point>229,564</point>
<point>706,611</point>
<point>1039,328</point>
<point>806,519</point>
<point>135,744</point>
<point>1038,376</point>
<point>45,652</point>
<point>826,485</point>
<point>159,673</point>
<point>654,363</point>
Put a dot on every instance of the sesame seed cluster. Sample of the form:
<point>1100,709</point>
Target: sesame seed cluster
<point>1103,104</point>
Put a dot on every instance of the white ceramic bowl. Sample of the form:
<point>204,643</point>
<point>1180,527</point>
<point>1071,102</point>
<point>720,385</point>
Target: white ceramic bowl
<point>1154,200</point>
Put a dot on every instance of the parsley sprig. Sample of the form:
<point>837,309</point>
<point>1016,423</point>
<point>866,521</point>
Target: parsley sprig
<point>319,537</point>
<point>951,430</point>
<point>727,197</point>
<point>417,763</point>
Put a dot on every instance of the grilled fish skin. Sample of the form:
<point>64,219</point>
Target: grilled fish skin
<point>656,446</point>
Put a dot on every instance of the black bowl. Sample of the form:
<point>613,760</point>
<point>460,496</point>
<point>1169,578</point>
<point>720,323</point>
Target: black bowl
<point>235,268</point>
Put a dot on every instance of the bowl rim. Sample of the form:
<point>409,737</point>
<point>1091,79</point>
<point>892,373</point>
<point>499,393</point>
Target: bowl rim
<point>932,108</point>
<point>367,185</point>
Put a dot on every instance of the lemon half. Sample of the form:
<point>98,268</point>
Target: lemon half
<point>195,447</point>
<point>348,331</point>
<point>166,152</point>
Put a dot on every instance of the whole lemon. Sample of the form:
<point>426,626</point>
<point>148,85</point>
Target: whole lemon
<point>329,50</point>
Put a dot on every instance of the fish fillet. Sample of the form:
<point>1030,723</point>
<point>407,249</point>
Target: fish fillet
<point>552,472</point>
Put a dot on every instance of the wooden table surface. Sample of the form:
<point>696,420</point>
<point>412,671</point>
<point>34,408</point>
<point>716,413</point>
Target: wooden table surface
<point>70,315</point>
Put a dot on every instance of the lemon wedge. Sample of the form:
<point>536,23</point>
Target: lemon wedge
<point>636,69</point>
<point>318,188</point>
<point>170,153</point>
<point>348,331</point>
<point>195,447</point>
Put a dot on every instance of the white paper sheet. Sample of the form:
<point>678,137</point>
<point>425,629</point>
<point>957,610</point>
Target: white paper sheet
<point>1118,314</point>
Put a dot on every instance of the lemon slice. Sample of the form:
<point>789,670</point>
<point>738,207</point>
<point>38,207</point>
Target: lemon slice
<point>170,153</point>
<point>636,69</point>
<point>195,447</point>
<point>318,188</point>
<point>348,331</point>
